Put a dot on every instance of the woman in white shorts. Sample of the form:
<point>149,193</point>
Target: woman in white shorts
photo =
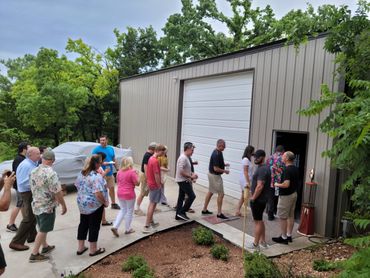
<point>245,175</point>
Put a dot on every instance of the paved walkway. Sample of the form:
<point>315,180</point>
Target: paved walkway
<point>63,259</point>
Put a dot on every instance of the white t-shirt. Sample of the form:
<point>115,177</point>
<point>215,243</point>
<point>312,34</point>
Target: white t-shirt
<point>242,181</point>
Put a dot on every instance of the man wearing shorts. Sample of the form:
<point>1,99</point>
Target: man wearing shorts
<point>109,158</point>
<point>47,194</point>
<point>22,150</point>
<point>259,196</point>
<point>144,191</point>
<point>154,181</point>
<point>216,169</point>
<point>287,199</point>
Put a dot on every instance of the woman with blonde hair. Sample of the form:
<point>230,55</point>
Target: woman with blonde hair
<point>127,179</point>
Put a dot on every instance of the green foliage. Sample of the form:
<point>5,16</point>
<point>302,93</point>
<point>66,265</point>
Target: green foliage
<point>132,263</point>
<point>203,236</point>
<point>136,51</point>
<point>143,271</point>
<point>257,265</point>
<point>138,266</point>
<point>323,265</point>
<point>7,152</point>
<point>220,252</point>
<point>358,265</point>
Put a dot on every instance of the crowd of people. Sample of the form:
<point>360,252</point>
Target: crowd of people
<point>271,185</point>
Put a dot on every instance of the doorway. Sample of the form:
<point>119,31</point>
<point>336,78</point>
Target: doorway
<point>295,142</point>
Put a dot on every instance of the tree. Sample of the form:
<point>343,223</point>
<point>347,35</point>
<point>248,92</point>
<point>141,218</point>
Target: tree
<point>45,98</point>
<point>97,75</point>
<point>136,51</point>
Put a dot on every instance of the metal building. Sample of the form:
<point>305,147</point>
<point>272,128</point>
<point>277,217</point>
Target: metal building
<point>246,97</point>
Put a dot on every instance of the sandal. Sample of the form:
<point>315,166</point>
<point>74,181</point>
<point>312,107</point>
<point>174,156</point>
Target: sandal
<point>97,252</point>
<point>130,231</point>
<point>191,210</point>
<point>107,223</point>
<point>81,252</point>
<point>238,214</point>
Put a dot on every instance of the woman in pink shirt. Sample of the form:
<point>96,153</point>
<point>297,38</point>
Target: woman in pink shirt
<point>127,179</point>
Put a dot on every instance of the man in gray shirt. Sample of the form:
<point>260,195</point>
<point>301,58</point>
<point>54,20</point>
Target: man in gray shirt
<point>184,178</point>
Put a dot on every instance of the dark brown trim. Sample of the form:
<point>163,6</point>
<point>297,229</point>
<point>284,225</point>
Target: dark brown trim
<point>179,119</point>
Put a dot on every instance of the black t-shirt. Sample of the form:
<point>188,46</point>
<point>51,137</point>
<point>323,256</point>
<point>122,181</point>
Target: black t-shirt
<point>217,159</point>
<point>146,157</point>
<point>17,160</point>
<point>262,173</point>
<point>291,174</point>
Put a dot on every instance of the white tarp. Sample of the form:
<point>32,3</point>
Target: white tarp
<point>70,158</point>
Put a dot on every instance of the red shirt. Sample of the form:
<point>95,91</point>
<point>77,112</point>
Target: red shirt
<point>153,168</point>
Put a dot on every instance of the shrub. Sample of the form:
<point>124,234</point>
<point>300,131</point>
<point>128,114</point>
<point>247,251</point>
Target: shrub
<point>358,265</point>
<point>323,265</point>
<point>257,265</point>
<point>203,236</point>
<point>143,271</point>
<point>220,252</point>
<point>133,262</point>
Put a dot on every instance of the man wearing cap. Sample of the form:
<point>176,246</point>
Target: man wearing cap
<point>259,196</point>
<point>107,164</point>
<point>47,194</point>
<point>216,169</point>
<point>184,178</point>
<point>287,199</point>
<point>27,228</point>
<point>22,150</point>
<point>144,190</point>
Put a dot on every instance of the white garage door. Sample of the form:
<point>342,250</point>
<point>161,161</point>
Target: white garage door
<point>214,108</point>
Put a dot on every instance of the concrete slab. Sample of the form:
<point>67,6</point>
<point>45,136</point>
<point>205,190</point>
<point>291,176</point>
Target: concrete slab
<point>63,260</point>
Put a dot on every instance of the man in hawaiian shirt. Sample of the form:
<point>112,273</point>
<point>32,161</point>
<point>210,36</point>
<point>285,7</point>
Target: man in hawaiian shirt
<point>277,166</point>
<point>47,193</point>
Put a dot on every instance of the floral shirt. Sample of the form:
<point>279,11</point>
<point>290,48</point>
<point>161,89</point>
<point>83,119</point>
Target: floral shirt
<point>87,186</point>
<point>44,185</point>
<point>277,167</point>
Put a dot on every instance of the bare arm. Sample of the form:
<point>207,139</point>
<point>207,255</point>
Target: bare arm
<point>157,178</point>
<point>6,197</point>
<point>285,184</point>
<point>60,199</point>
<point>246,175</point>
<point>100,197</point>
<point>258,190</point>
<point>219,170</point>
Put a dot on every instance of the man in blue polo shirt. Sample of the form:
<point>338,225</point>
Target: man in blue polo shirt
<point>109,158</point>
<point>27,228</point>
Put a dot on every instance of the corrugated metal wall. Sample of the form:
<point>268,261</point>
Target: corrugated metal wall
<point>284,81</point>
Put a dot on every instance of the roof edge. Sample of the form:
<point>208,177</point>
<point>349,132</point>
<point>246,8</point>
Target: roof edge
<point>244,50</point>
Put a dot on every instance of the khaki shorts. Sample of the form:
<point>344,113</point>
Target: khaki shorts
<point>286,206</point>
<point>216,184</point>
<point>144,190</point>
<point>110,181</point>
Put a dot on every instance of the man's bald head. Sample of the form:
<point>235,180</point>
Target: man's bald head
<point>33,153</point>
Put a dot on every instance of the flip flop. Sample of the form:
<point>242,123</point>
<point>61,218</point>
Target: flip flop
<point>97,252</point>
<point>107,223</point>
<point>191,210</point>
<point>130,231</point>
<point>81,252</point>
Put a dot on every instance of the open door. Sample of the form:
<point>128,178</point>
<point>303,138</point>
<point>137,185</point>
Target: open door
<point>295,142</point>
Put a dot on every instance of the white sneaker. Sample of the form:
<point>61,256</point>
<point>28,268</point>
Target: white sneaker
<point>251,246</point>
<point>264,245</point>
<point>148,230</point>
<point>154,224</point>
<point>139,212</point>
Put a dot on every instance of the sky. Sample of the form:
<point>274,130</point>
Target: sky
<point>27,25</point>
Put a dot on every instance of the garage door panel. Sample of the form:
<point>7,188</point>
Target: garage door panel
<point>209,113</point>
<point>218,103</point>
<point>239,92</point>
<point>213,108</point>
<point>223,123</point>
<point>234,134</point>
